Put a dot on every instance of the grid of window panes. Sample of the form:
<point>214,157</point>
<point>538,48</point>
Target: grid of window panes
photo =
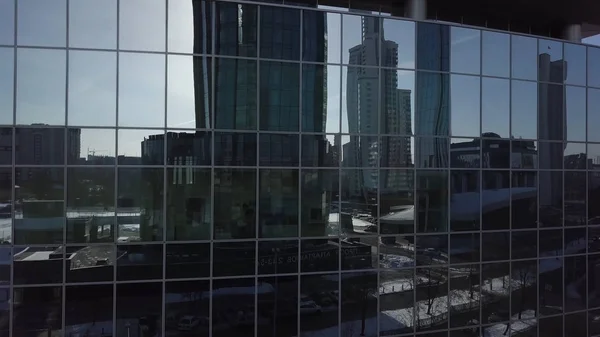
<point>213,168</point>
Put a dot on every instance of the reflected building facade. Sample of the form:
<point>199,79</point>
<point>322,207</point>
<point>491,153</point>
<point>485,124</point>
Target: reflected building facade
<point>277,170</point>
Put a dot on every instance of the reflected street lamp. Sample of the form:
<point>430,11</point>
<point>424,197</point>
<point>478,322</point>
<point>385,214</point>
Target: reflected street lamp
<point>128,326</point>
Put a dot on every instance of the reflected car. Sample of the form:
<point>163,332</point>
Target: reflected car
<point>188,323</point>
<point>310,308</point>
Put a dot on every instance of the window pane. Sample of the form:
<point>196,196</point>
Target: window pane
<point>141,90</point>
<point>360,105</point>
<point>432,117</point>
<point>234,258</point>
<point>236,94</point>
<point>42,23</point>
<point>593,114</point>
<point>398,48</point>
<point>466,50</point>
<point>26,261</point>
<point>44,302</point>
<point>190,294</point>
<point>183,148</point>
<point>524,106</point>
<point>140,300</point>
<point>279,33</point>
<point>593,67</point>
<point>139,262</point>
<point>551,112</point>
<point>190,26</point>
<point>432,201</point>
<point>7,22</point>
<point>575,109</point>
<point>524,57</point>
<point>321,37</point>
<point>318,218</point>
<point>142,25</point>
<point>433,47</point>
<point>96,146</point>
<point>41,86</point>
<point>279,96</point>
<point>236,28</point>
<point>93,24</point>
<point>575,57</point>
<point>92,88</point>
<point>495,107</point>
<point>465,105</point>
<point>90,306</point>
<point>91,263</point>
<point>6,84</point>
<point>278,203</point>
<point>235,203</point>
<point>188,260</point>
<point>188,203</point>
<point>137,147</point>
<point>496,54</point>
<point>320,98</point>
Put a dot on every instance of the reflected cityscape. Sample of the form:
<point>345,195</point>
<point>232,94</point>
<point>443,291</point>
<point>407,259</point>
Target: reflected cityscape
<point>295,171</point>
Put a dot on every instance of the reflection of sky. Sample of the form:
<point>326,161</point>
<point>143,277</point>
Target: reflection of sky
<point>92,83</point>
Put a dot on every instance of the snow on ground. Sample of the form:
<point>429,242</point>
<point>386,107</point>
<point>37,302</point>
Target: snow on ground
<point>528,321</point>
<point>499,286</point>
<point>396,261</point>
<point>400,285</point>
<point>95,329</point>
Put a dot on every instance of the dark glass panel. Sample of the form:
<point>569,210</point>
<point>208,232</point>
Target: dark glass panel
<point>396,252</point>
<point>495,196</point>
<point>140,194</point>
<point>396,201</point>
<point>278,203</point>
<point>278,257</point>
<point>7,72</point>
<point>524,244</point>
<point>320,213</point>
<point>188,260</point>
<point>37,311</point>
<point>90,204</point>
<point>235,92</point>
<point>279,33</point>
<point>574,282</point>
<point>593,66</point>
<point>360,106</point>
<point>432,201</point>
<point>433,298</point>
<point>235,149</point>
<point>575,325</point>
<point>235,203</point>
<point>320,98</point>
<point>523,198</point>
<point>90,263</point>
<point>279,96</point>
<point>183,148</point>
<point>432,115</point>
<point>550,284</point>
<point>465,210</point>
<point>187,308</point>
<point>277,311</point>
<point>495,284</point>
<point>40,217</point>
<point>319,255</point>
<point>322,290</point>
<point>465,106</point>
<point>495,107</point>
<point>524,57</point>
<point>279,149</point>
<point>396,301</point>
<point>575,107</point>
<point>234,258</point>
<point>465,50</point>
<point>233,306</point>
<point>524,278</point>
<point>236,28</point>
<point>495,51</point>
<point>38,265</point>
<point>359,291</point>
<point>89,309</point>
<point>550,199</point>
<point>139,262</point>
<point>495,246</point>
<point>321,150</point>
<point>524,111</point>
<point>464,248</point>
<point>189,203</point>
<point>359,200</point>
<point>464,297</point>
<point>139,309</point>
<point>432,249</point>
<point>433,47</point>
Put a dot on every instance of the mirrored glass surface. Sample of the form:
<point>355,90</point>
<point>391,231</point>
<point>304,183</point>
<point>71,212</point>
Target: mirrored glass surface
<point>359,201</point>
<point>550,283</point>
<point>551,327</point>
<point>593,284</point>
<point>139,262</point>
<point>360,110</point>
<point>140,196</point>
<point>495,184</point>
<point>6,148</point>
<point>495,281</point>
<point>142,32</point>
<point>234,258</point>
<point>320,212</point>
<point>90,308</point>
<point>398,44</point>
<point>318,255</point>
<point>39,311</point>
<point>45,146</point>
<point>524,277</point>
<point>42,23</point>
<point>396,151</point>
<point>277,311</point>
<point>29,261</point>
<point>183,148</point>
<point>432,115</point>
<point>593,114</point>
<point>91,146</point>
<point>7,57</point>
<point>279,149</point>
<point>278,203</point>
<point>593,234</point>
<point>524,154</point>
<point>397,103</point>
<point>139,308</point>
<point>432,249</point>
<point>141,90</point>
<point>524,201</point>
<point>432,152</point>
<point>575,324</point>
<point>5,299</point>
<point>433,47</point>
<point>236,26</point>
<point>550,198</point>
<point>6,210</point>
<point>189,99</point>
<point>495,246</point>
<point>41,195</point>
<point>575,101</point>
<point>41,86</point>
<point>433,280</point>
<point>524,57</point>
<point>235,92</point>
<point>235,149</point>
<point>396,205</point>
<point>431,201</point>
<point>92,88</point>
<point>495,107</point>
<point>320,98</point>
<point>5,266</point>
<point>322,37</point>
<point>524,110</point>
<point>324,291</point>
<point>189,203</point>
<point>320,150</point>
<point>90,204</point>
<point>574,279</point>
<point>235,203</point>
<point>93,24</point>
<point>593,66</point>
<point>190,26</point>
<point>187,260</point>
<point>94,263</point>
<point>593,327</point>
<point>575,156</point>
<point>360,37</point>
<point>551,112</point>
<point>280,33</point>
<point>184,297</point>
<point>467,291</point>
<point>550,155</point>
<point>358,288</point>
<point>279,97</point>
<point>396,293</point>
<point>235,314</point>
<point>465,105</point>
<point>465,54</point>
<point>278,257</point>
<point>575,198</point>
<point>551,243</point>
<point>7,22</point>
<point>593,153</point>
<point>465,207</point>
<point>495,53</point>
<point>576,60</point>
<point>141,147</point>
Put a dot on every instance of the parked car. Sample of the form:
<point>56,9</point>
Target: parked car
<point>310,308</point>
<point>188,323</point>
